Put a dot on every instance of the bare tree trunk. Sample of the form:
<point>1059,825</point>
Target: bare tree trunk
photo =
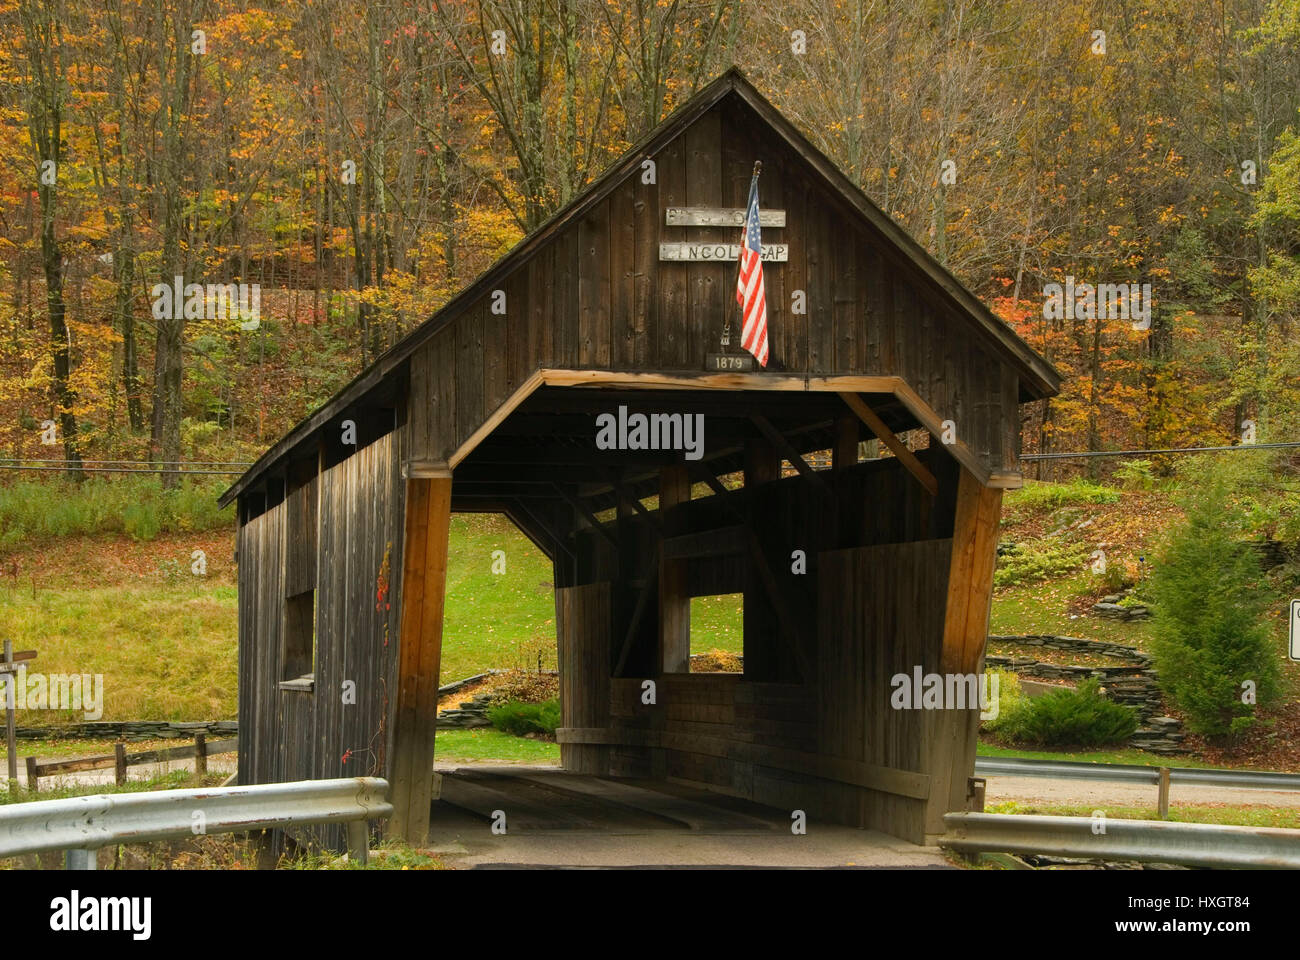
<point>168,361</point>
<point>43,36</point>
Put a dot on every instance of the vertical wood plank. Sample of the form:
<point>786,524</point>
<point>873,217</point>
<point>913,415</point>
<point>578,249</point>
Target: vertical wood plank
<point>594,288</point>
<point>424,577</point>
<point>469,373</point>
<point>707,304</point>
<point>674,598</point>
<point>622,270</point>
<point>821,290</point>
<point>565,318</point>
<point>670,341</point>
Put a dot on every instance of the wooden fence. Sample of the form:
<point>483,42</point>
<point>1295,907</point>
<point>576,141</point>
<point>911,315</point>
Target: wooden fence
<point>120,760</point>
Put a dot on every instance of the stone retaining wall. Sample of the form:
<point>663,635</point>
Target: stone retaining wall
<point>130,730</point>
<point>1135,686</point>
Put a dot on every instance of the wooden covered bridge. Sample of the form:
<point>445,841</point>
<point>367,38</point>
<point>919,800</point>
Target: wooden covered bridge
<point>617,306</point>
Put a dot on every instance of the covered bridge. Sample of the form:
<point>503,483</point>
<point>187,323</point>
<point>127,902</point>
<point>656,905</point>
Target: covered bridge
<point>617,306</point>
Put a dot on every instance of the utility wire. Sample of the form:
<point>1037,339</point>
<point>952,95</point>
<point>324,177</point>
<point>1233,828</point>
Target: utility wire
<point>71,467</point>
<point>161,463</point>
<point>1139,453</point>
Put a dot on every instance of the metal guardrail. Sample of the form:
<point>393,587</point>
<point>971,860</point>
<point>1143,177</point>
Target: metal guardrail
<point>1151,841</point>
<point>1124,773</point>
<point>82,825</point>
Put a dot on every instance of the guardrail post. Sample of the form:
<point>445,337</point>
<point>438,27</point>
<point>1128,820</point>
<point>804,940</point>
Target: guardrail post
<point>1163,800</point>
<point>33,779</point>
<point>358,841</point>
<point>119,762</point>
<point>81,860</point>
<point>200,755</point>
<point>975,787</point>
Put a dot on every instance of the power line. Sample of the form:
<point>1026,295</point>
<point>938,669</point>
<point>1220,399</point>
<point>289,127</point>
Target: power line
<point>73,468</point>
<point>161,463</point>
<point>1140,453</point>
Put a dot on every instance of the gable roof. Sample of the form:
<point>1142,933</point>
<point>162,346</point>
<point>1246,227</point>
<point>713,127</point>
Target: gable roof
<point>1039,379</point>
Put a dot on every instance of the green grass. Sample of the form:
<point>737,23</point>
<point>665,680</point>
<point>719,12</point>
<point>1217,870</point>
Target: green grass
<point>165,651</point>
<point>495,620</point>
<point>1129,755</point>
<point>1246,816</point>
<point>1041,608</point>
<point>488,744</point>
<point>173,780</point>
<point>718,623</point>
<point>390,855</point>
<point>1039,497</point>
<point>138,507</point>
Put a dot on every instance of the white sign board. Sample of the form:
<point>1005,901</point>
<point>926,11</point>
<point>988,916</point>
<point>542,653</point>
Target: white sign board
<point>709,251</point>
<point>719,217</point>
<point>1293,649</point>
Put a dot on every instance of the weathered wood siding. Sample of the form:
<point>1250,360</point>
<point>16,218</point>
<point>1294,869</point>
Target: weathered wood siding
<point>582,629</point>
<point>294,735</point>
<point>597,296</point>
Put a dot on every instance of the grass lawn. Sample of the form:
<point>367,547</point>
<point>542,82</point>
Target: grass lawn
<point>173,780</point>
<point>166,651</point>
<point>489,744</point>
<point>1043,608</point>
<point>718,623</point>
<point>1246,816</point>
<point>1129,755</point>
<point>495,620</point>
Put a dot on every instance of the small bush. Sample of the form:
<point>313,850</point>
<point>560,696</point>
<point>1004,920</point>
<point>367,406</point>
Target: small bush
<point>1136,475</point>
<point>1039,497</point>
<point>520,686</point>
<point>523,718</point>
<point>1012,700</point>
<point>716,661</point>
<point>1035,560</point>
<point>1211,632</point>
<point>1081,717</point>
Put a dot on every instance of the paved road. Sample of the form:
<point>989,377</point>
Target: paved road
<point>220,763</point>
<point>1047,790</point>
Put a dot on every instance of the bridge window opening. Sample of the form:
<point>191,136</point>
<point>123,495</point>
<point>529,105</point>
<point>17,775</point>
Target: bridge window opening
<point>718,633</point>
<point>298,662</point>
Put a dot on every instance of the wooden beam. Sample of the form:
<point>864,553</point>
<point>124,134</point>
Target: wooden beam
<point>642,603</point>
<point>787,451</point>
<point>706,381</point>
<point>425,470</point>
<point>951,736</point>
<point>789,625</point>
<point>845,452</point>
<point>424,581</point>
<point>970,574</point>
<point>586,513</point>
<point>932,422</point>
<point>539,531</point>
<point>674,594</point>
<point>655,522</point>
<point>526,389</point>
<point>707,476</point>
<point>905,456</point>
<point>717,542</point>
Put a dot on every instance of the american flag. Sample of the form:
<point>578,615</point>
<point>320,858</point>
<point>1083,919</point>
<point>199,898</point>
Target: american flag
<point>749,286</point>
